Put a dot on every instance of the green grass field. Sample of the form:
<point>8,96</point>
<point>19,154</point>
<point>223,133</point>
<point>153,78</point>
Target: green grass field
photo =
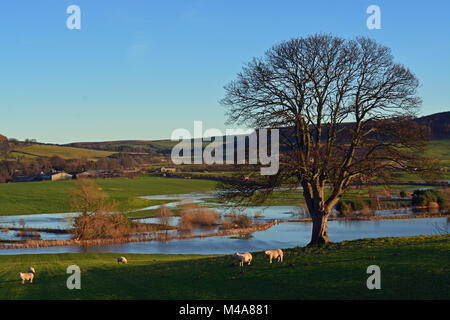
<point>438,149</point>
<point>411,268</point>
<point>53,196</point>
<point>40,150</point>
<point>295,197</point>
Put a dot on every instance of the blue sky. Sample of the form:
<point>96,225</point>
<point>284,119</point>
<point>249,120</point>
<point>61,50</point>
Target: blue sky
<point>140,69</point>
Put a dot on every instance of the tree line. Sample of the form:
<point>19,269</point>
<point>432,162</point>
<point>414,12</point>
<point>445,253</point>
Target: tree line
<point>31,167</point>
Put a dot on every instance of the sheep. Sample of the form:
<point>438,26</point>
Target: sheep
<point>122,260</point>
<point>26,276</point>
<point>274,254</point>
<point>246,257</point>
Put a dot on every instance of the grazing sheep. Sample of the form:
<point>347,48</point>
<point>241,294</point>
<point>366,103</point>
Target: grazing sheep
<point>26,276</point>
<point>122,260</point>
<point>246,257</point>
<point>274,254</point>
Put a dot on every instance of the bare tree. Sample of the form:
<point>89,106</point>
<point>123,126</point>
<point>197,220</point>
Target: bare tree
<point>5,146</point>
<point>164,216</point>
<point>345,107</point>
<point>99,218</point>
<point>87,197</point>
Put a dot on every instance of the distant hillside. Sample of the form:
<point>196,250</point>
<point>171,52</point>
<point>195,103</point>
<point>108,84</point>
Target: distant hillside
<point>439,124</point>
<point>42,150</point>
<point>134,146</point>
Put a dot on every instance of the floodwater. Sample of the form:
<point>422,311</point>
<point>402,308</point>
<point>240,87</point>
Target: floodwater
<point>283,235</point>
<point>45,220</point>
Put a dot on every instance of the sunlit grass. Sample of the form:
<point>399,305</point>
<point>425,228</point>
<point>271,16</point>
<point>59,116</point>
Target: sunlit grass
<point>41,150</point>
<point>411,268</point>
<point>53,196</point>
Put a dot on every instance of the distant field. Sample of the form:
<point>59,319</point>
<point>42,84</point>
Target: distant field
<point>436,150</point>
<point>411,268</point>
<point>63,152</point>
<point>53,196</point>
<point>439,149</point>
<point>294,197</point>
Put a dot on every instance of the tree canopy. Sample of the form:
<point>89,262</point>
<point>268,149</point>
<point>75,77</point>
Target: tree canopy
<point>345,108</point>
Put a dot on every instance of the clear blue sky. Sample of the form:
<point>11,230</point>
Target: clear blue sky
<point>140,69</point>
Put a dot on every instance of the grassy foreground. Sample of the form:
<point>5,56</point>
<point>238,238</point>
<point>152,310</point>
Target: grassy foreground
<point>411,268</point>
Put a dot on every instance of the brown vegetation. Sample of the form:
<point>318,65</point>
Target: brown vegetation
<point>101,226</point>
<point>29,235</point>
<point>446,198</point>
<point>164,215</point>
<point>36,230</point>
<point>96,220</point>
<point>87,197</point>
<point>238,219</point>
<point>158,237</point>
<point>192,215</point>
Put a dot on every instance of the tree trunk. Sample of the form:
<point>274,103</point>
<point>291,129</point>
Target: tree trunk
<point>319,229</point>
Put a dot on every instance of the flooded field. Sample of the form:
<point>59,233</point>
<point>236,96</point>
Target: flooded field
<point>286,234</point>
<point>283,235</point>
<point>64,221</point>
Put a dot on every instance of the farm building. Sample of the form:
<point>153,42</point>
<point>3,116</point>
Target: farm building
<point>53,176</point>
<point>60,176</point>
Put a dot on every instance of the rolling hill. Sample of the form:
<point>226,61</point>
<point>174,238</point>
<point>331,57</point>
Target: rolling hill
<point>42,150</point>
<point>439,124</point>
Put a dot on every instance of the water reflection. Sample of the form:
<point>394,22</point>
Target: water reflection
<point>46,220</point>
<point>283,235</point>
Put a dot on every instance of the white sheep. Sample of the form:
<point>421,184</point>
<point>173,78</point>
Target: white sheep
<point>122,260</point>
<point>274,254</point>
<point>246,257</point>
<point>26,277</point>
